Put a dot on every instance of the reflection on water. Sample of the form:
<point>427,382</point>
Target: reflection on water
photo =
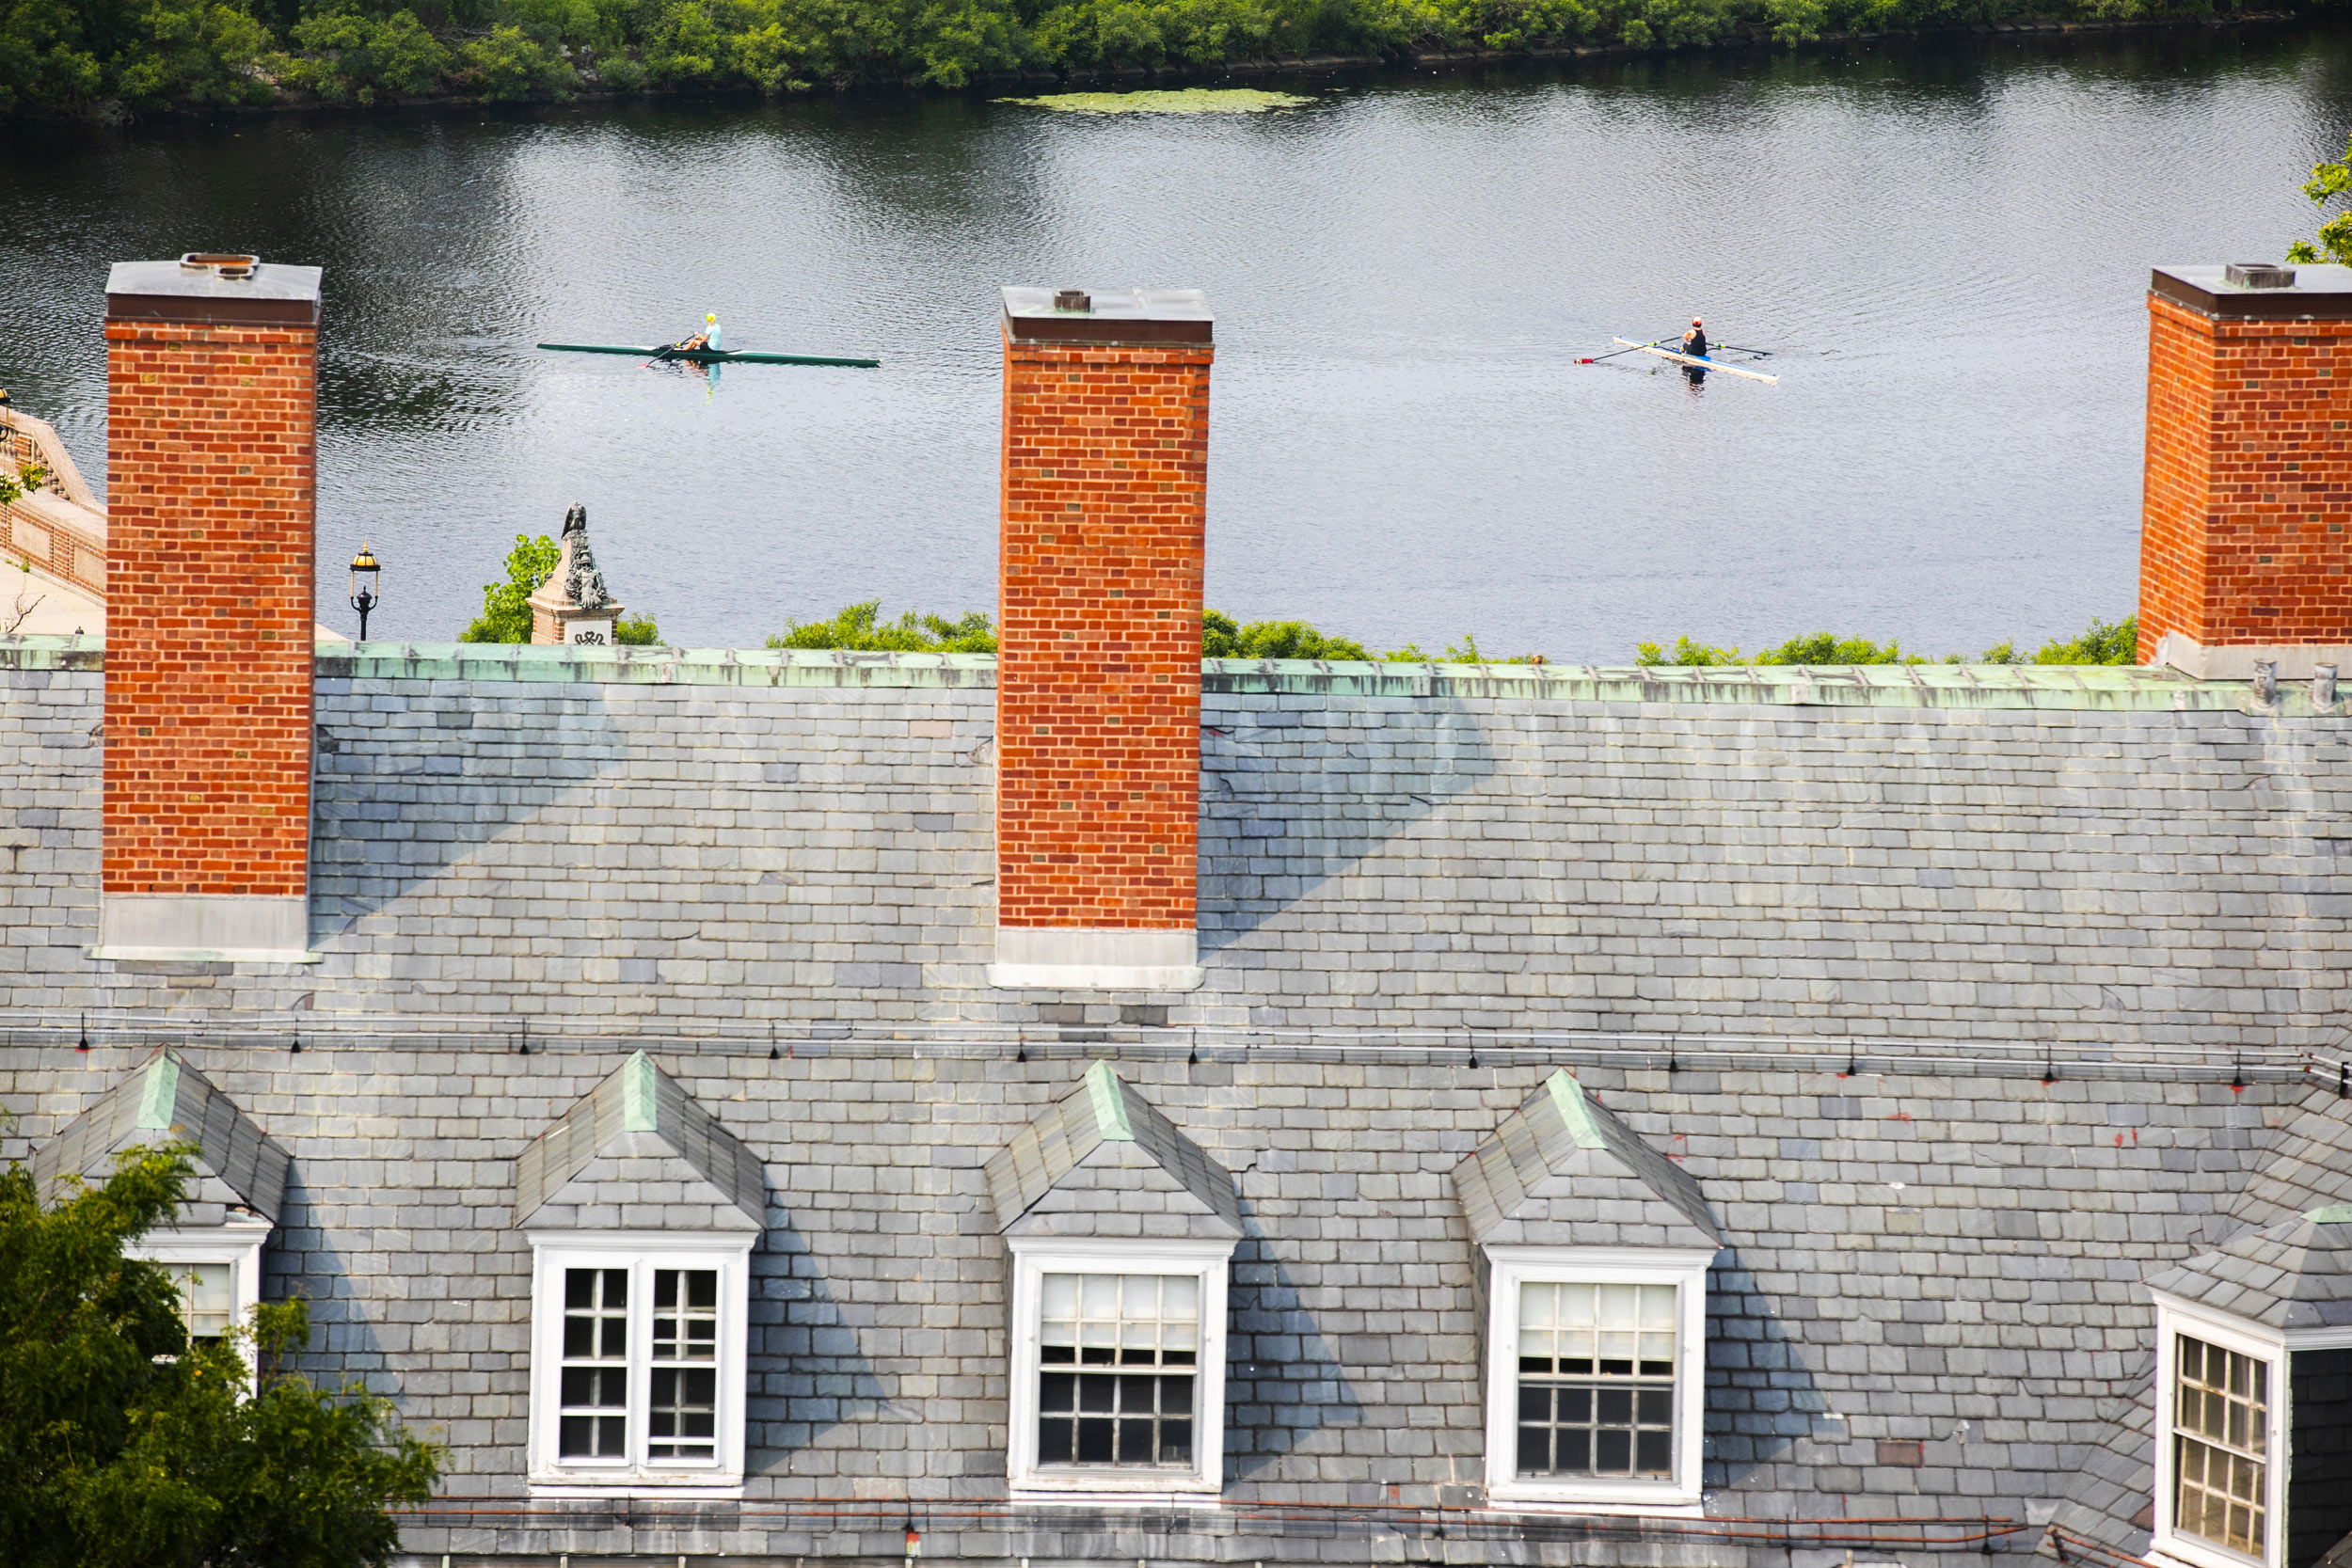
<point>1945,245</point>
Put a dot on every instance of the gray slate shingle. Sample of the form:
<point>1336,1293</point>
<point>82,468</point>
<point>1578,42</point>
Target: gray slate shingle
<point>636,1152</point>
<point>1561,1171</point>
<point>164,1099</point>
<point>1104,1160</point>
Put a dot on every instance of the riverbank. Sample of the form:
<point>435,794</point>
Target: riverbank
<point>587,51</point>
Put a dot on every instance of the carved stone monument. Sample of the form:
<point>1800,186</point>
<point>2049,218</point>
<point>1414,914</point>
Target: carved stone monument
<point>573,605</point>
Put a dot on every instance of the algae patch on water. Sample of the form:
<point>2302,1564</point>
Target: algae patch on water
<point>1174,100</point>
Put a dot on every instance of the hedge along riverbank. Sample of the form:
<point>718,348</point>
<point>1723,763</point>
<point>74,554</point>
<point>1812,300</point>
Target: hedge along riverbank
<point>104,57</point>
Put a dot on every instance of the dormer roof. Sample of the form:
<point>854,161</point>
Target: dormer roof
<point>238,1166</point>
<point>1103,1160</point>
<point>637,1153</point>
<point>2297,1274</point>
<point>1562,1170</point>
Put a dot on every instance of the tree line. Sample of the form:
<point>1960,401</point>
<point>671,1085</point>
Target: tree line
<point>85,56</point>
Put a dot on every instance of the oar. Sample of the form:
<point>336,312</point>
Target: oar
<point>1635,349</point>
<point>1761,353</point>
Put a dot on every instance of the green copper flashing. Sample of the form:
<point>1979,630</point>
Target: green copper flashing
<point>2335,1213</point>
<point>2112,688</point>
<point>1110,1104</point>
<point>637,1093</point>
<point>160,1095</point>
<point>1567,1097</point>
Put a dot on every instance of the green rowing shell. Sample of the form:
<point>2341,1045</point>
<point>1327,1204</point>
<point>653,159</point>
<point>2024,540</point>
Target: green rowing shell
<point>711,356</point>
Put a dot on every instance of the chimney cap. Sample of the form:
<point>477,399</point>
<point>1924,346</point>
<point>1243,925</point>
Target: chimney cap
<point>2257,291</point>
<point>1109,316</point>
<point>226,288</point>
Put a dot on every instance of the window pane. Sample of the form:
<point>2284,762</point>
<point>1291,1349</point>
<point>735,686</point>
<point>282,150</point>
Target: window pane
<point>686,1315</point>
<point>203,1297</point>
<point>682,1420</point>
<point>1596,1385</point>
<point>2220,1430</point>
<point>1126,1332</point>
<point>593,1419</point>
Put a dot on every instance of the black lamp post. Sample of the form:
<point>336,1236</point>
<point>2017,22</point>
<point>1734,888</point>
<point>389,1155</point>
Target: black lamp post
<point>363,570</point>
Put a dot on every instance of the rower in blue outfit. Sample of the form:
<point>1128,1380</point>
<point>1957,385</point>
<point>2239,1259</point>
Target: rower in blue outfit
<point>706,339</point>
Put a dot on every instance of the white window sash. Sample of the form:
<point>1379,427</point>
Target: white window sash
<point>239,1245</point>
<point>1683,1268</point>
<point>1033,1258</point>
<point>640,1255</point>
<point>2173,1319</point>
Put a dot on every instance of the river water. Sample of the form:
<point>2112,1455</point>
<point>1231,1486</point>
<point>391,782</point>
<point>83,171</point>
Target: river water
<point>1946,243</point>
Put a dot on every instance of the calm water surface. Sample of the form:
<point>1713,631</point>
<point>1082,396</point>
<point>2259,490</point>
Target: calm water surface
<point>1947,244</point>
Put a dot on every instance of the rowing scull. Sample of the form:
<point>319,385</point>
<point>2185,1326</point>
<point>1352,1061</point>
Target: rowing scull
<point>1696,363</point>
<point>708,356</point>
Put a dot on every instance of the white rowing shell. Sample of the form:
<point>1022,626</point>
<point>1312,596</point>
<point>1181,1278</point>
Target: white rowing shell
<point>1696,363</point>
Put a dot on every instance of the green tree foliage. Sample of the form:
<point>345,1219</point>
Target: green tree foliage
<point>505,606</point>
<point>1222,637</point>
<point>860,628</point>
<point>79,54</point>
<point>2099,643</point>
<point>637,631</point>
<point>349,58</point>
<point>131,1447</point>
<point>2328,181</point>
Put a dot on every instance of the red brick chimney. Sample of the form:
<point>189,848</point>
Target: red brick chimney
<point>1098,693</point>
<point>212,395</point>
<point>2243,555</point>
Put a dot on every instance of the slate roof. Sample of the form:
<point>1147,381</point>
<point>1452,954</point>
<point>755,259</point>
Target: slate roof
<point>1103,1160</point>
<point>1561,1171</point>
<point>636,1152</point>
<point>2293,1274</point>
<point>237,1165</point>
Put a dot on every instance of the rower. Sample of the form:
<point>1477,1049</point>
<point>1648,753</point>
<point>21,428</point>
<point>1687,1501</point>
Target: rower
<point>706,339</point>
<point>1694,341</point>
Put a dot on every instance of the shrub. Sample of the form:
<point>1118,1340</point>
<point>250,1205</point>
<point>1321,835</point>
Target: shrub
<point>860,628</point>
<point>1222,638</point>
<point>510,65</point>
<point>347,57</point>
<point>637,631</point>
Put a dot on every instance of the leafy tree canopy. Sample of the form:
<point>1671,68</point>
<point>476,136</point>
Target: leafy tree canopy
<point>2328,181</point>
<point>131,1447</point>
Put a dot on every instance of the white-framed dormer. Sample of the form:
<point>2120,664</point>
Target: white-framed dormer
<point>2229,1449</point>
<point>2252,1355</point>
<point>641,1212</point>
<point>211,1246</point>
<point>1119,1233</point>
<point>1596,1378</point>
<point>638,1376</point>
<point>1593,1253</point>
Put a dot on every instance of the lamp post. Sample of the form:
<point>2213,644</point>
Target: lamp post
<point>363,570</point>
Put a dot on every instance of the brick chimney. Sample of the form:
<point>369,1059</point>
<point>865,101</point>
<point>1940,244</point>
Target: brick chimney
<point>1098,696</point>
<point>2243,555</point>
<point>211,382</point>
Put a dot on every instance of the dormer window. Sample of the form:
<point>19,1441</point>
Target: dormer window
<point>641,1212</point>
<point>1122,1232</point>
<point>2254,1397</point>
<point>1593,1252</point>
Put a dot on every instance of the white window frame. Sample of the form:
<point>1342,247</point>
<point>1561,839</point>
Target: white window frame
<point>1685,1268</point>
<point>1033,1258</point>
<point>640,1253</point>
<point>237,1243</point>
<point>2175,1317</point>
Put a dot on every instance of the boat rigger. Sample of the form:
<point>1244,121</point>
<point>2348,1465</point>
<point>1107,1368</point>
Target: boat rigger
<point>711,356</point>
<point>1697,363</point>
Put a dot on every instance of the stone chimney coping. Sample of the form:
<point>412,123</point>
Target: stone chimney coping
<point>274,295</point>
<point>1116,316</point>
<point>2321,291</point>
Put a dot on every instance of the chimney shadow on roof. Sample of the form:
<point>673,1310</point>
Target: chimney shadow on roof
<point>808,1373</point>
<point>1282,1379</point>
<point>300,1262</point>
<point>1761,1397</point>
<point>395,807</point>
<point>1290,799</point>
